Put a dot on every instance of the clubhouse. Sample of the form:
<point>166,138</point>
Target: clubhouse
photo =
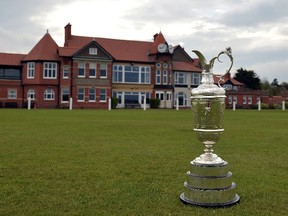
<point>88,71</point>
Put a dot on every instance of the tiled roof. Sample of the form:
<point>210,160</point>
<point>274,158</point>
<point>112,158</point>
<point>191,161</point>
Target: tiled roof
<point>121,50</point>
<point>185,66</point>
<point>158,39</point>
<point>45,50</point>
<point>227,78</point>
<point>10,59</point>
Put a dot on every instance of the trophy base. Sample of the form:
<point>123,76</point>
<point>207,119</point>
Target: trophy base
<point>227,204</point>
<point>209,185</point>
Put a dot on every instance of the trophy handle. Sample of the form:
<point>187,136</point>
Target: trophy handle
<point>228,52</point>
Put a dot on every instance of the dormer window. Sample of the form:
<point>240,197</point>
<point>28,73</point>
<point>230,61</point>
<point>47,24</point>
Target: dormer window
<point>93,51</point>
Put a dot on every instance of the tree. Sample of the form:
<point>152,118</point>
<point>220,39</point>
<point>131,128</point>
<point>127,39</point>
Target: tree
<point>275,82</point>
<point>285,85</point>
<point>249,78</point>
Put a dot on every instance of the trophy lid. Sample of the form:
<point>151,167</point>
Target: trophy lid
<point>208,89</point>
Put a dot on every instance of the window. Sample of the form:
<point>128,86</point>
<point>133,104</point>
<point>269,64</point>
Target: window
<point>30,70</point>
<point>31,94</point>
<point>92,95</point>
<point>182,99</point>
<point>229,99</point>
<point>160,95</point>
<point>92,70</point>
<point>10,74</point>
<point>227,86</point>
<point>81,94</point>
<point>81,69</point>
<point>145,75</point>
<point>65,94</point>
<point>131,74</point>
<point>235,99</point>
<point>50,70</point>
<point>158,76</point>
<point>117,73</point>
<point>102,95</point>
<point>168,96</point>
<point>93,51</point>
<point>196,78</point>
<point>65,72</point>
<point>158,65</point>
<point>49,94</point>
<point>164,76</point>
<point>103,70</point>
<point>249,99</point>
<point>12,93</point>
<point>180,78</point>
<point>244,100</point>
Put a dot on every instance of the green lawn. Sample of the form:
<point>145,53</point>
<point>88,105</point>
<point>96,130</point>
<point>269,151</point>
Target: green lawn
<point>133,162</point>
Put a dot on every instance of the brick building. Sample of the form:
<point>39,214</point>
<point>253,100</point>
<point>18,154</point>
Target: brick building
<point>87,71</point>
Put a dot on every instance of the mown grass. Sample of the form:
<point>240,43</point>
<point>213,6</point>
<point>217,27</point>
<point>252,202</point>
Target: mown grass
<point>133,162</point>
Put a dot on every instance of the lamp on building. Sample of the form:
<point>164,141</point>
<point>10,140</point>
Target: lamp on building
<point>209,181</point>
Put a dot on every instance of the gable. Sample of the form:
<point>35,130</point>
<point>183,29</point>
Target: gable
<point>181,55</point>
<point>93,51</point>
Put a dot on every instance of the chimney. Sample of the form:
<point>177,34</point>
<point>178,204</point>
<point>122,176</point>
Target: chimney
<point>67,34</point>
<point>155,36</point>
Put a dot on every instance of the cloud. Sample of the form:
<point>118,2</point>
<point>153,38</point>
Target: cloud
<point>257,30</point>
<point>255,12</point>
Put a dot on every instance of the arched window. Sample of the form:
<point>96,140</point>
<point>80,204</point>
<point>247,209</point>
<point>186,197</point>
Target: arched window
<point>49,94</point>
<point>31,94</point>
<point>182,98</point>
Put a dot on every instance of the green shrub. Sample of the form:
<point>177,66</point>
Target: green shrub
<point>114,102</point>
<point>154,103</point>
<point>253,106</point>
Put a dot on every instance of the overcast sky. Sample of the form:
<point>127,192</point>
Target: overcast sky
<point>256,30</point>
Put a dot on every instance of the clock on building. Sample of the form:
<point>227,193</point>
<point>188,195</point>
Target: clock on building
<point>171,49</point>
<point>162,47</point>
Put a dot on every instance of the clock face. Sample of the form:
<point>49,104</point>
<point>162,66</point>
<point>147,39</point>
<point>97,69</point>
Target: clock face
<point>162,48</point>
<point>171,49</point>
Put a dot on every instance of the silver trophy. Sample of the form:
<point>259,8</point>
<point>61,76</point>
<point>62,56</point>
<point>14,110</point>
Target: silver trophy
<point>209,180</point>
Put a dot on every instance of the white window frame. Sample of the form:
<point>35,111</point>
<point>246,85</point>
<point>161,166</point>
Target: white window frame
<point>92,66</point>
<point>81,65</point>
<point>31,94</point>
<point>65,93</point>
<point>65,72</point>
<point>49,94</point>
<point>227,87</point>
<point>165,77</point>
<point>168,96</point>
<point>144,71</point>
<point>245,99</point>
<point>93,51</point>
<point>196,78</point>
<point>235,99</point>
<point>185,100</point>
<point>178,76</point>
<point>103,92</point>
<point>102,65</point>
<point>159,95</point>
<point>30,70</point>
<point>50,70</point>
<point>250,99</point>
<point>12,94</point>
<point>92,94</point>
<point>158,76</point>
<point>82,93</point>
<point>230,99</point>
